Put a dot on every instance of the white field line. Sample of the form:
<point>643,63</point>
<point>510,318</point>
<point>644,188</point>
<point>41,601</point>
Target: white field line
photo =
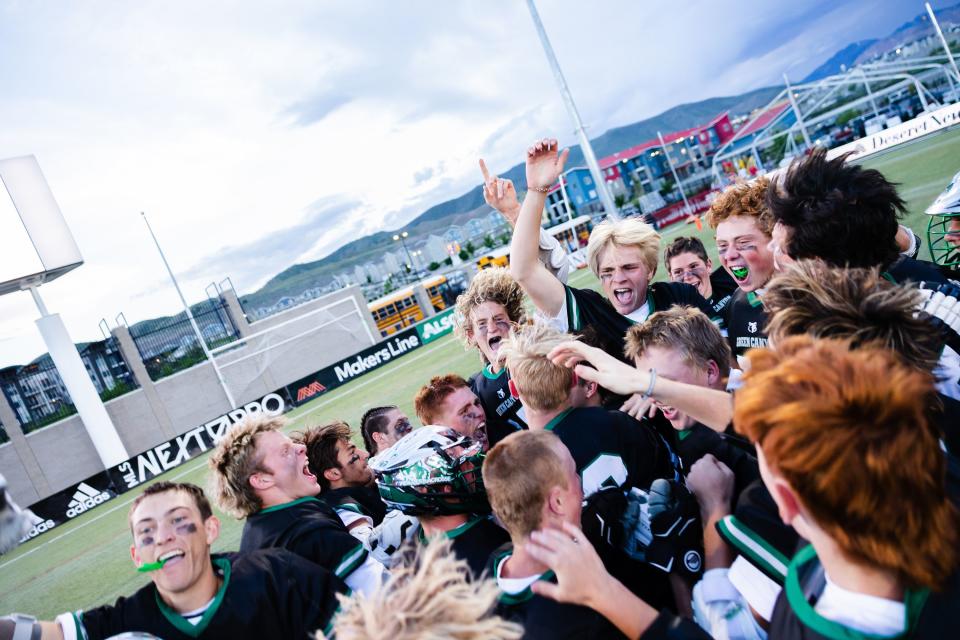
<point>201,462</point>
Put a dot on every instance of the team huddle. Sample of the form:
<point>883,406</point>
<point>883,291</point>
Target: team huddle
<point>761,449</point>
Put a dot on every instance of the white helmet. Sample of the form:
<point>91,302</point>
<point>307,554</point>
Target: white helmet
<point>432,470</point>
<point>943,228</point>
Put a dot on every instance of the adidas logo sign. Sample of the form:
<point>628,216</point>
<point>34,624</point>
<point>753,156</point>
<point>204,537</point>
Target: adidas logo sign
<point>85,498</point>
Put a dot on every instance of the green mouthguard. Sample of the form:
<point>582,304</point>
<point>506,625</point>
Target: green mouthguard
<point>152,566</point>
<point>740,272</point>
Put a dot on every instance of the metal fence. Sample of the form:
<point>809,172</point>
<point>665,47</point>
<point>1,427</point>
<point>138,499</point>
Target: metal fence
<point>38,396</point>
<point>168,345</point>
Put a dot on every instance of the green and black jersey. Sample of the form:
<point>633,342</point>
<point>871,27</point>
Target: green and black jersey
<point>504,412</point>
<point>746,322</point>
<point>309,528</point>
<point>474,541</point>
<point>611,449</point>
<point>591,314</point>
<point>545,618</point>
<point>929,615</point>
<point>364,501</point>
<point>264,594</point>
<point>723,286</point>
<point>731,450</point>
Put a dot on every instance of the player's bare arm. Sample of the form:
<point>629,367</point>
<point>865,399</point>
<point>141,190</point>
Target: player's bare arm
<point>544,164</point>
<point>711,407</point>
<point>711,482</point>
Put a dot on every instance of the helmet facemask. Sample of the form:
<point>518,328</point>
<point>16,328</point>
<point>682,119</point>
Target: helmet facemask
<point>943,227</point>
<point>433,471</point>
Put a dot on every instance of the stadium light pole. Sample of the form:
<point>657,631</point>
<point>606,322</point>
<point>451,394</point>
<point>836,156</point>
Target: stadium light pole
<point>585,146</point>
<point>402,237</point>
<point>566,200</point>
<point>946,46</point>
<point>193,323</point>
<point>686,203</point>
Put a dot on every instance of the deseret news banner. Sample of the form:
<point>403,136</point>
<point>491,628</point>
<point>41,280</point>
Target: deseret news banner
<point>79,498</point>
<point>922,125</point>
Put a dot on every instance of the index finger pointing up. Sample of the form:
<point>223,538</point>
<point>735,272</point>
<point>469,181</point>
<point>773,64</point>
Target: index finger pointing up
<point>483,169</point>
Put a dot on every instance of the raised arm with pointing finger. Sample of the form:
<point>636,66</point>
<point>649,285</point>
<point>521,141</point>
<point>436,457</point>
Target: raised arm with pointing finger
<point>500,194</point>
<point>623,254</point>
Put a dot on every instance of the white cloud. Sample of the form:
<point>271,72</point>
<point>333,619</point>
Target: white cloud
<point>234,124</point>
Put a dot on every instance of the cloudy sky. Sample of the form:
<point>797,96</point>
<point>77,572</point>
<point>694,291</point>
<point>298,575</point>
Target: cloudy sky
<point>256,135</point>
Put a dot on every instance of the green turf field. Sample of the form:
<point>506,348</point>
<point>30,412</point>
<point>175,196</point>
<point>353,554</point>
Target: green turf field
<point>86,561</point>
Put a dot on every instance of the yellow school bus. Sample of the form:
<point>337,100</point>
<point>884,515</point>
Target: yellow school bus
<point>496,258</point>
<point>400,309</point>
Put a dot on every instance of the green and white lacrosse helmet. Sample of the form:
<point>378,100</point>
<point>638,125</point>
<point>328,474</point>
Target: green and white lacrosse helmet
<point>432,471</point>
<point>943,228</point>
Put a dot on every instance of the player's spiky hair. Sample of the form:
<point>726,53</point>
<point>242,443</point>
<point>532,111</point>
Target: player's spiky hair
<point>489,285</point>
<point>748,199</point>
<point>684,330</point>
<point>431,598</point>
<point>628,232</point>
<point>233,462</point>
<point>542,384</point>
<point>859,305</point>
<point>374,421</point>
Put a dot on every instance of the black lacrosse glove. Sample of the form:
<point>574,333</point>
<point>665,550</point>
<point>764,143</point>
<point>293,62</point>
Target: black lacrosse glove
<point>676,545</point>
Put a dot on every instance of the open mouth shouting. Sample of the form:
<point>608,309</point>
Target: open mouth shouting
<point>625,297</point>
<point>306,472</point>
<point>740,273</point>
<point>480,434</point>
<point>494,342</point>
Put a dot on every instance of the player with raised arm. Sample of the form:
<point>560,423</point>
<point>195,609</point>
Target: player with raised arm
<point>192,594</point>
<point>710,407</point>
<point>623,254</point>
<point>262,476</point>
<point>500,194</point>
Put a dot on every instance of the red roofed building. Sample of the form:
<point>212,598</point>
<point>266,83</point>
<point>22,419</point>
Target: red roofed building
<point>642,170</point>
